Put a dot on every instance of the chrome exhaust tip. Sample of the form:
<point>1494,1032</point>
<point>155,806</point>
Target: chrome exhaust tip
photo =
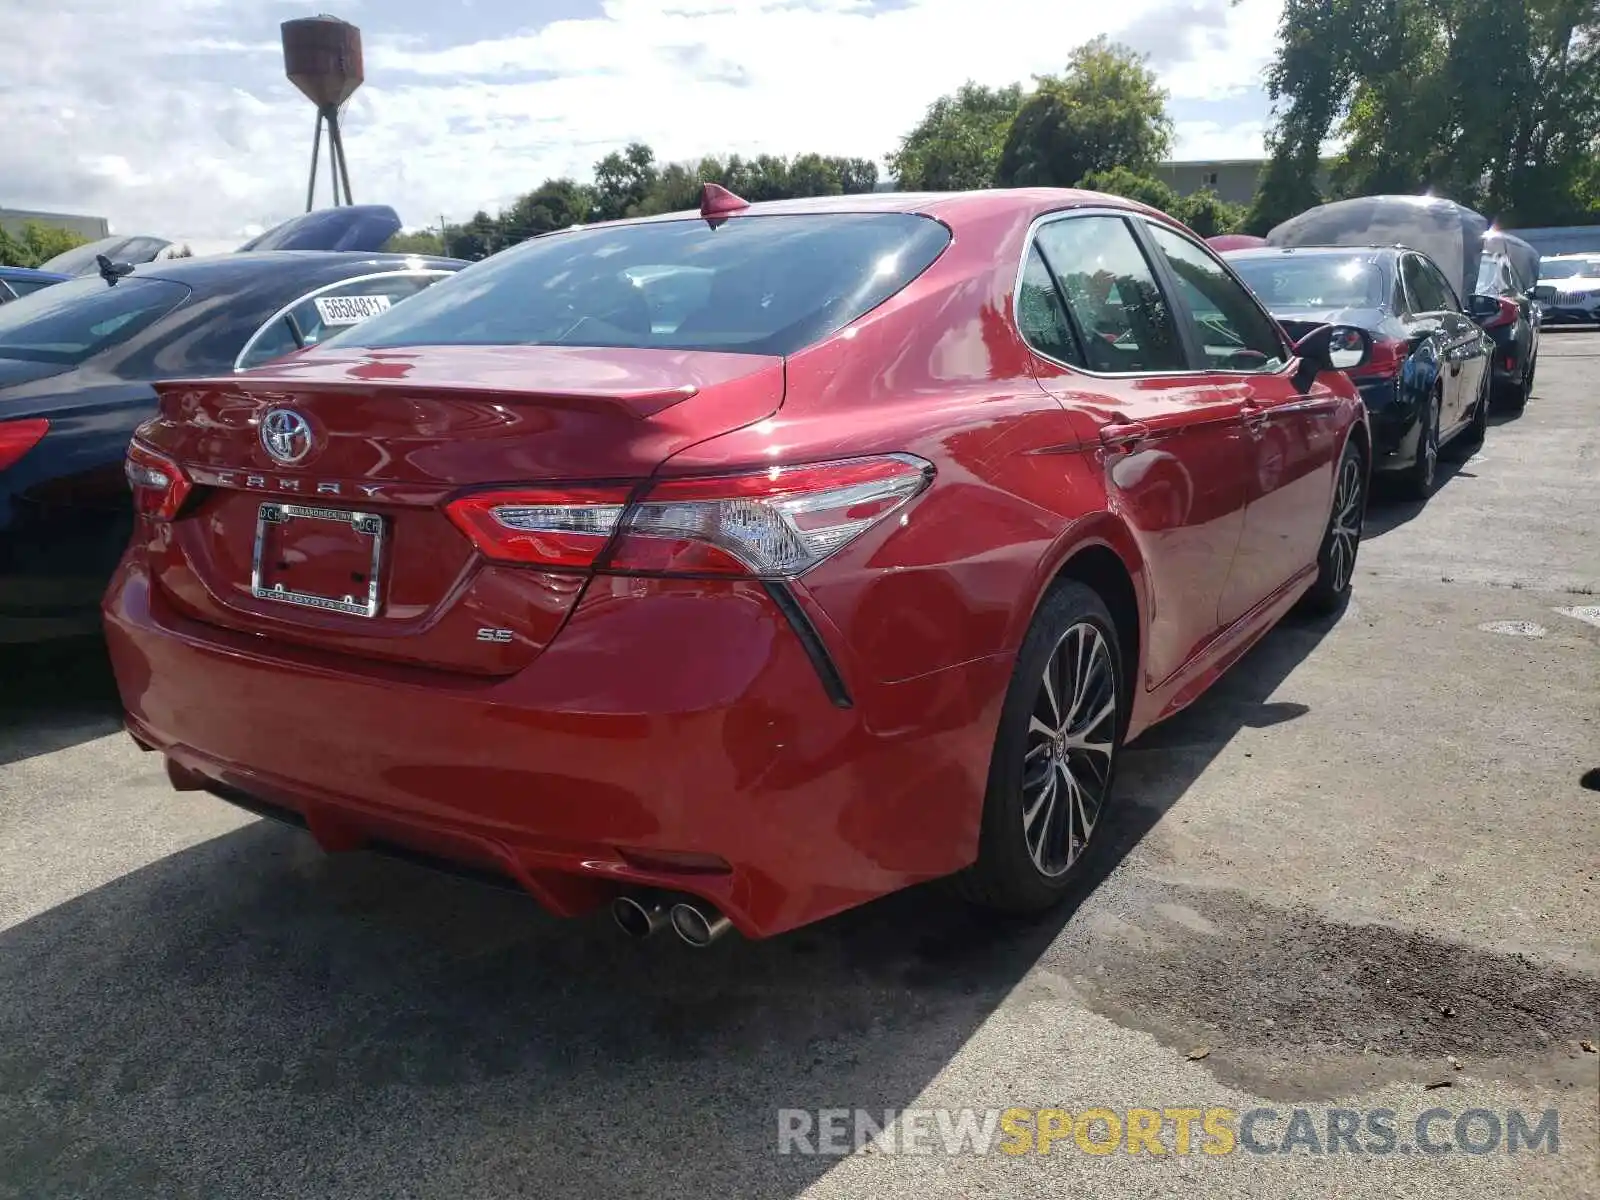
<point>697,925</point>
<point>638,917</point>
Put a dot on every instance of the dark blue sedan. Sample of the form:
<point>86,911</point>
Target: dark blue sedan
<point>76,364</point>
<point>16,282</point>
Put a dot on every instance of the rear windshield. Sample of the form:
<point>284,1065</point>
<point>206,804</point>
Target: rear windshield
<point>753,285</point>
<point>1568,268</point>
<point>1314,281</point>
<point>68,322</point>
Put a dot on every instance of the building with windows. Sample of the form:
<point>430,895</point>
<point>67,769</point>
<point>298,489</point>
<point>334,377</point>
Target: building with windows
<point>13,221</point>
<point>1234,180</point>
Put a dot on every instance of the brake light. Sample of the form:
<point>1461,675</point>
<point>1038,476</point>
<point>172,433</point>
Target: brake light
<point>1388,356</point>
<point>18,437</point>
<point>1506,316</point>
<point>780,521</point>
<point>159,485</point>
<point>775,522</point>
<point>546,526</point>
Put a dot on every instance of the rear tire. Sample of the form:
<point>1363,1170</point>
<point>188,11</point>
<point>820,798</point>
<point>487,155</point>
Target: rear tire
<point>1517,397</point>
<point>1055,755</point>
<point>1336,560</point>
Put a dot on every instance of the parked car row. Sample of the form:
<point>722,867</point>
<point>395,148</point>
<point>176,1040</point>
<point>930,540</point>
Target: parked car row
<point>730,567</point>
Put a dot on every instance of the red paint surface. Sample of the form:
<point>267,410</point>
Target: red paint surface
<point>635,715</point>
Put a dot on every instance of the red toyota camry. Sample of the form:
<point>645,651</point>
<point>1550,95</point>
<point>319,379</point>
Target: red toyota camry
<point>737,567</point>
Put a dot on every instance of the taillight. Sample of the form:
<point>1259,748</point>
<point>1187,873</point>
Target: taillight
<point>18,437</point>
<point>774,522</point>
<point>550,527</point>
<point>780,521</point>
<point>159,485</point>
<point>1506,316</point>
<point>1384,362</point>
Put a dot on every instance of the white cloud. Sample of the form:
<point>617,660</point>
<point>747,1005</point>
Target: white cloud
<point>174,115</point>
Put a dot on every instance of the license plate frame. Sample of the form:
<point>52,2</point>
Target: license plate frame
<point>364,524</point>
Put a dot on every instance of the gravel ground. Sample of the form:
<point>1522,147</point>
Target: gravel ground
<point>1365,854</point>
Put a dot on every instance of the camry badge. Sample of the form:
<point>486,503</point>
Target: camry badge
<point>285,435</point>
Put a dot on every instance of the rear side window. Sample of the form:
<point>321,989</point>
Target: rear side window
<point>329,310</point>
<point>1112,294</point>
<point>754,284</point>
<point>1041,316</point>
<point>68,322</point>
<point>26,287</point>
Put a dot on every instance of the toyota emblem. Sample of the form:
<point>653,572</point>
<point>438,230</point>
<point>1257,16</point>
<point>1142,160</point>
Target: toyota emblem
<point>285,435</point>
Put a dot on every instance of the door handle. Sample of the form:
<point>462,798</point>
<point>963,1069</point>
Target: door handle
<point>1124,435</point>
<point>1255,416</point>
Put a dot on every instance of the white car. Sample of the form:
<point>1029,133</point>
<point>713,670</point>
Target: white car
<point>1569,289</point>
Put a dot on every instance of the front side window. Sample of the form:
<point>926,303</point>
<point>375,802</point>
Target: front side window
<point>768,284</point>
<point>331,309</point>
<point>1112,294</point>
<point>1234,333</point>
<point>1423,286</point>
<point>67,322</point>
<point>1442,289</point>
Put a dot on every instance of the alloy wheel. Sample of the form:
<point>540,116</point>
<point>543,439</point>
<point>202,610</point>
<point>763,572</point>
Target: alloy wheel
<point>1071,740</point>
<point>1430,441</point>
<point>1346,531</point>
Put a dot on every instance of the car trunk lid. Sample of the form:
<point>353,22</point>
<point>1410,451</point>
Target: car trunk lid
<point>346,546</point>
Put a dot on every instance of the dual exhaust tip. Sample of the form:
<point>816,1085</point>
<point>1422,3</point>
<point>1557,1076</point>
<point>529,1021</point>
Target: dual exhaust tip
<point>695,922</point>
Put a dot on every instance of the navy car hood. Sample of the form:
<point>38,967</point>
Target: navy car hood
<point>360,227</point>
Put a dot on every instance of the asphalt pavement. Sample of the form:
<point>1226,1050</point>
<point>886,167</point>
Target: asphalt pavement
<point>1362,874</point>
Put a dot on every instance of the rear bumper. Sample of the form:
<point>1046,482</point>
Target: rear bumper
<point>1392,422</point>
<point>668,718</point>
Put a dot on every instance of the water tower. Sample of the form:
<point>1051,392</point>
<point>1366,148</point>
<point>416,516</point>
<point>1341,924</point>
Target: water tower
<point>322,57</point>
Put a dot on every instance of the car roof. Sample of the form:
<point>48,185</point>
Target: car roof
<point>31,273</point>
<point>234,270</point>
<point>967,205</point>
<point>1373,253</point>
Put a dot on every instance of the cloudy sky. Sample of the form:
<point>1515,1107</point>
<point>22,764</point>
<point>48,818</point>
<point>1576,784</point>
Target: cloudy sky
<point>173,116</point>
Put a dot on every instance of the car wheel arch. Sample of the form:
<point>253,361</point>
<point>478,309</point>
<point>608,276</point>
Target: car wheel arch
<point>1103,555</point>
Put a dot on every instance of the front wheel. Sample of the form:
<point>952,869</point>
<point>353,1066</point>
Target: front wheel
<point>1054,758</point>
<point>1471,439</point>
<point>1422,476</point>
<point>1336,560</point>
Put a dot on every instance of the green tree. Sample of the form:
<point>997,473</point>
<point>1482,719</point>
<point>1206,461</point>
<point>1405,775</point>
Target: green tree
<point>554,204</point>
<point>1119,181</point>
<point>958,142</point>
<point>420,241</point>
<point>37,243</point>
<point>623,180</point>
<point>1495,103</point>
<point>1106,111</point>
<point>478,238</point>
<point>813,175</point>
<point>856,175</point>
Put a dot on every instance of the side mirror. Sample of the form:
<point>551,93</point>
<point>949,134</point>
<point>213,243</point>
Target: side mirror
<point>1483,308</point>
<point>1331,348</point>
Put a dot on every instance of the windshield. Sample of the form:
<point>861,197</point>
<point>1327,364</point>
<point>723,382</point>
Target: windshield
<point>119,249</point>
<point>1568,268</point>
<point>753,285</point>
<point>68,322</point>
<point>1314,281</point>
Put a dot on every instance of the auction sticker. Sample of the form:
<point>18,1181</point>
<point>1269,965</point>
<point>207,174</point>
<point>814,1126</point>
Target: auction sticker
<point>350,310</point>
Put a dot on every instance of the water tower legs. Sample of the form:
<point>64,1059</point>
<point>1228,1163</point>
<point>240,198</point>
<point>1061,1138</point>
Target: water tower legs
<point>338,166</point>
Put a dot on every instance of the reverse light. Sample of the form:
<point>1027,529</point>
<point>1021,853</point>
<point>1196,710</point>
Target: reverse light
<point>566,527</point>
<point>18,437</point>
<point>779,521</point>
<point>159,485</point>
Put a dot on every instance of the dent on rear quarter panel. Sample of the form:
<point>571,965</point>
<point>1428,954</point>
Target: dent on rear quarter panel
<point>937,371</point>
